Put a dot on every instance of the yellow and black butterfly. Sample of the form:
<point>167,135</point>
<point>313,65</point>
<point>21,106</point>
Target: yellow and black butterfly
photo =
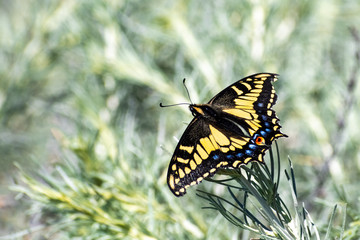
<point>235,127</point>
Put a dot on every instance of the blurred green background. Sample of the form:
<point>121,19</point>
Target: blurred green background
<point>80,87</point>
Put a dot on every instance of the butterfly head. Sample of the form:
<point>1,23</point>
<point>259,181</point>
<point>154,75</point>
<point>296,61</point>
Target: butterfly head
<point>202,110</point>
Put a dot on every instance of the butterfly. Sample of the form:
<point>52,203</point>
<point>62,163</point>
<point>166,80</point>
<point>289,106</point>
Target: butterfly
<point>234,128</point>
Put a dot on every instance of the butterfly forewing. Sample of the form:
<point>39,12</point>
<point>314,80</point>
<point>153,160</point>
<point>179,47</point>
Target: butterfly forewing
<point>203,149</point>
<point>218,140</point>
<point>249,102</point>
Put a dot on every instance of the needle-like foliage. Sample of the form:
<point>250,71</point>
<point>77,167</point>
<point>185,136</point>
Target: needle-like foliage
<point>254,203</point>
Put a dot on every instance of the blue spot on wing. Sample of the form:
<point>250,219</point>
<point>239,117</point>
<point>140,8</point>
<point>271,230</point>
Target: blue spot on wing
<point>216,157</point>
<point>239,155</point>
<point>249,152</point>
<point>252,146</point>
<point>263,133</point>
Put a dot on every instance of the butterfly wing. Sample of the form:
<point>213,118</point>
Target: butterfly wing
<point>248,102</point>
<point>183,168</point>
<point>231,138</point>
<point>204,148</point>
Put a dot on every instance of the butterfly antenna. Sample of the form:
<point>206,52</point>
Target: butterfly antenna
<point>187,91</point>
<point>171,105</point>
<point>177,104</point>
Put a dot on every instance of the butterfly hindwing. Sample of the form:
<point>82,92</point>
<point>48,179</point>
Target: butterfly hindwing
<point>236,126</point>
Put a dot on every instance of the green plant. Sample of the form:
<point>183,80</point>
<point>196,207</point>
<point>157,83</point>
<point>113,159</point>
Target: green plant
<point>254,203</point>
<point>92,73</point>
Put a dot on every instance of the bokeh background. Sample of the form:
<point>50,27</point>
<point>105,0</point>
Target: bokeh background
<point>84,145</point>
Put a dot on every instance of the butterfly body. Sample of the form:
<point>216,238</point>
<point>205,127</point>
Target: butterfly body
<point>235,127</point>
